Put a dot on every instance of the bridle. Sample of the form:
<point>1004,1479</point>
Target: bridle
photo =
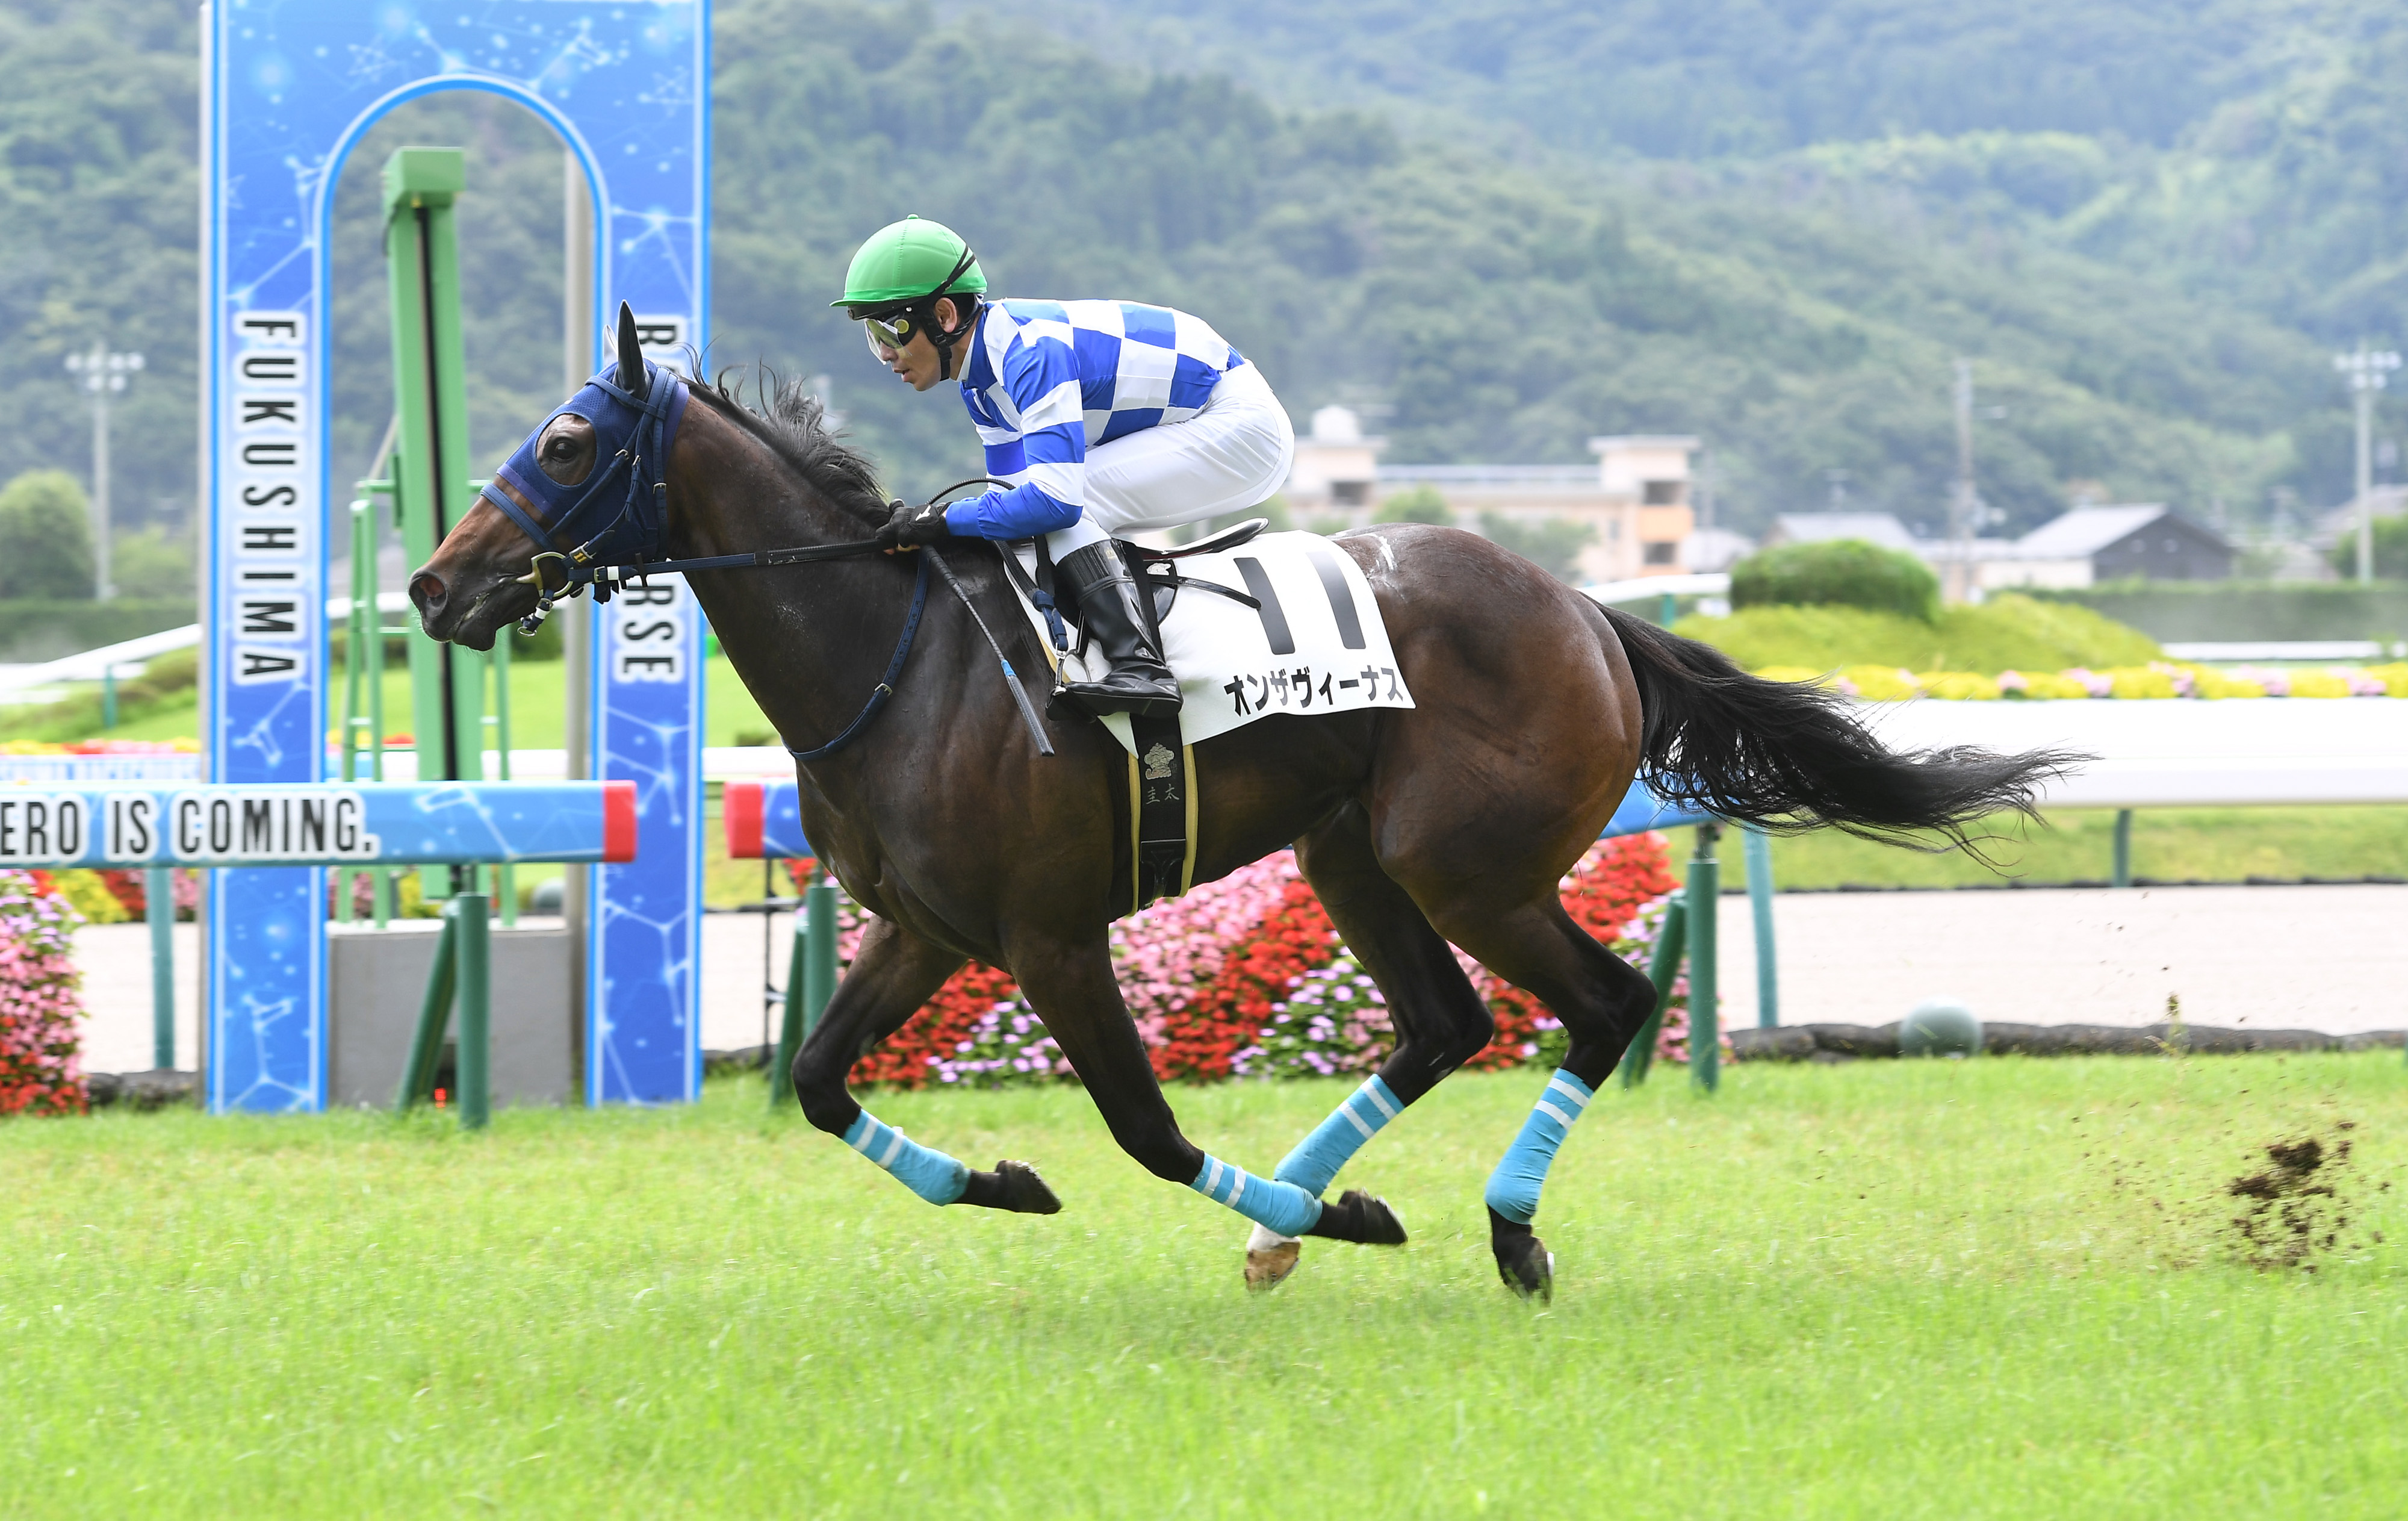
<point>622,550</point>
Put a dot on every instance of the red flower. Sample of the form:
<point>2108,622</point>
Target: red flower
<point>1603,893</point>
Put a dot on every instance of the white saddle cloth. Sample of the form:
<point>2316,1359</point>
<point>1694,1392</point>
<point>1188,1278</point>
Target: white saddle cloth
<point>1317,645</point>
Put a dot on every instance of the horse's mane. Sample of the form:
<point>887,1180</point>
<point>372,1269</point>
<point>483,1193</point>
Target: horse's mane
<point>794,424</point>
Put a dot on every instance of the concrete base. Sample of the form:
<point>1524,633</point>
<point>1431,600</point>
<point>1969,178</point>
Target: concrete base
<point>378,980</point>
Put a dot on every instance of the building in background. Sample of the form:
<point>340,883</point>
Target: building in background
<point>1634,502</point>
<point>1881,528</point>
<point>2080,547</point>
<point>2147,541</point>
<point>1337,467</point>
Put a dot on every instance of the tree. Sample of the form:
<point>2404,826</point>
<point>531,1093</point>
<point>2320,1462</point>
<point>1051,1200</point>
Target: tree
<point>157,561</point>
<point>1553,546</point>
<point>1421,504</point>
<point>2390,548</point>
<point>45,538</point>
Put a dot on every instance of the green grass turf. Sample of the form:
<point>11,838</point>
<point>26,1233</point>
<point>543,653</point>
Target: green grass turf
<point>2172,845</point>
<point>1943,1289</point>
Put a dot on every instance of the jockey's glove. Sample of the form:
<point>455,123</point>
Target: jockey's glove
<point>909,527</point>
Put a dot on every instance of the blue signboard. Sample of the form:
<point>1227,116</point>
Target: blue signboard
<point>643,970</point>
<point>351,823</point>
<point>289,89</point>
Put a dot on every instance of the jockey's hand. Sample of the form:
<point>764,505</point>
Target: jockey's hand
<point>909,527</point>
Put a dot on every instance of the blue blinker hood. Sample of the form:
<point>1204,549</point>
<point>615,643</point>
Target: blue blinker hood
<point>615,515</point>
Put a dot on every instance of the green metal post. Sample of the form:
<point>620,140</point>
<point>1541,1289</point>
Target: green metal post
<point>819,965</point>
<point>475,955</point>
<point>364,592</point>
<point>159,908</point>
<point>107,698</point>
<point>1668,610</point>
<point>1705,894</point>
<point>1759,899</point>
<point>2123,847</point>
<point>431,462</point>
<point>434,1013</point>
<point>1663,969</point>
<point>790,1027</point>
<point>355,637</point>
<point>506,876</point>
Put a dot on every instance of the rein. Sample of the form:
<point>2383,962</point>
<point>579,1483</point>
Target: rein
<point>575,577</point>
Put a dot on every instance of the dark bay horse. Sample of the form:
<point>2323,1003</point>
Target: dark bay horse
<point>1451,822</point>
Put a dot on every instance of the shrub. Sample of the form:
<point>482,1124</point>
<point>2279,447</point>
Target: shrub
<point>1840,572</point>
<point>40,1005</point>
<point>45,536</point>
<point>1418,504</point>
<point>2009,632</point>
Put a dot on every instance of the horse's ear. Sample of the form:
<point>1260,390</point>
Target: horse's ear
<point>631,355</point>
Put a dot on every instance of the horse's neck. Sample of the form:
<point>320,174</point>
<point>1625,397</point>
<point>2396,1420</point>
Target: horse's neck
<point>808,641</point>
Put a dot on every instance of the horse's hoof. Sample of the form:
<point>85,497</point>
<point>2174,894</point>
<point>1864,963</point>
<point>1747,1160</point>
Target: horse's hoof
<point>1360,1218</point>
<point>1527,1267</point>
<point>1023,1191</point>
<point>1269,1258</point>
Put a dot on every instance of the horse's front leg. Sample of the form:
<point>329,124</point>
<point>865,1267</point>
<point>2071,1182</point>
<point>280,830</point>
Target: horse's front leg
<point>1072,989</point>
<point>893,974</point>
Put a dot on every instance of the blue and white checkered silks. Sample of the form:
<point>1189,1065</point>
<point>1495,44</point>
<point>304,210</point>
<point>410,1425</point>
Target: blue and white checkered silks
<point>1318,1155</point>
<point>930,1173</point>
<point>1281,1207</point>
<point>1046,381</point>
<point>1514,1188</point>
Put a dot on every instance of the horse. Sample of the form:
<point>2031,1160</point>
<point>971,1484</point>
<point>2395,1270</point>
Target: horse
<point>1448,823</point>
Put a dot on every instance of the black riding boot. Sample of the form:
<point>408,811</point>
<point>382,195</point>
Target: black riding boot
<point>1117,616</point>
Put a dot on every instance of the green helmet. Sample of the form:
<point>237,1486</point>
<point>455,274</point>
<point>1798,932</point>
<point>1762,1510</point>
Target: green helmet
<point>911,260</point>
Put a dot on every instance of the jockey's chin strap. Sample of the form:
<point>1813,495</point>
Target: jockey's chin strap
<point>580,570</point>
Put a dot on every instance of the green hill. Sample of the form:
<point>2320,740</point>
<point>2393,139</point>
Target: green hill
<point>1508,227</point>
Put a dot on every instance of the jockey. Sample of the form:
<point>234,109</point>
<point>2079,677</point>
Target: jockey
<point>1110,417</point>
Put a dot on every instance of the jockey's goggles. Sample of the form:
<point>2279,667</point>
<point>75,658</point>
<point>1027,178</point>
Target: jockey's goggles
<point>893,330</point>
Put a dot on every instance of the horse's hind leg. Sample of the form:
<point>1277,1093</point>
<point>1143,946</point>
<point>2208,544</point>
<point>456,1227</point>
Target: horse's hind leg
<point>893,974</point>
<point>1601,1001</point>
<point>1072,989</point>
<point>1439,1021</point>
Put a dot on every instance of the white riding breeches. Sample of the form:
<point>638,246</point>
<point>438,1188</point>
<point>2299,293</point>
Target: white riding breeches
<point>1230,455</point>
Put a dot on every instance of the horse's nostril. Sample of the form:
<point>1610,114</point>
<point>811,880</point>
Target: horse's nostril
<point>428,590</point>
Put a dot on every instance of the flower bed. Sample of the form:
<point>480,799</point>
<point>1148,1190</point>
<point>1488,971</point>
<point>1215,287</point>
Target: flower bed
<point>2157,680</point>
<point>1247,978</point>
<point>40,1004</point>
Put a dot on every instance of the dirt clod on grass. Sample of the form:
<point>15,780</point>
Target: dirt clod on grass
<point>2298,1209</point>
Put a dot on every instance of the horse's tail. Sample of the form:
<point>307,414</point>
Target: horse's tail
<point>1787,755</point>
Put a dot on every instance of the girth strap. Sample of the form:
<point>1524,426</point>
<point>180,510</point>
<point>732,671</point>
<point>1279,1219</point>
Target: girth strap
<point>1162,812</point>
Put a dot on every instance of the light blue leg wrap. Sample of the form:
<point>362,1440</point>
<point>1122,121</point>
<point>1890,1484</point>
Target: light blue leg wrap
<point>1318,1155</point>
<point>1514,1188</point>
<point>931,1174</point>
<point>1282,1207</point>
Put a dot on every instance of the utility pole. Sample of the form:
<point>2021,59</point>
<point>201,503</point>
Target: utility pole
<point>2366,371</point>
<point>103,375</point>
<point>1962,509</point>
